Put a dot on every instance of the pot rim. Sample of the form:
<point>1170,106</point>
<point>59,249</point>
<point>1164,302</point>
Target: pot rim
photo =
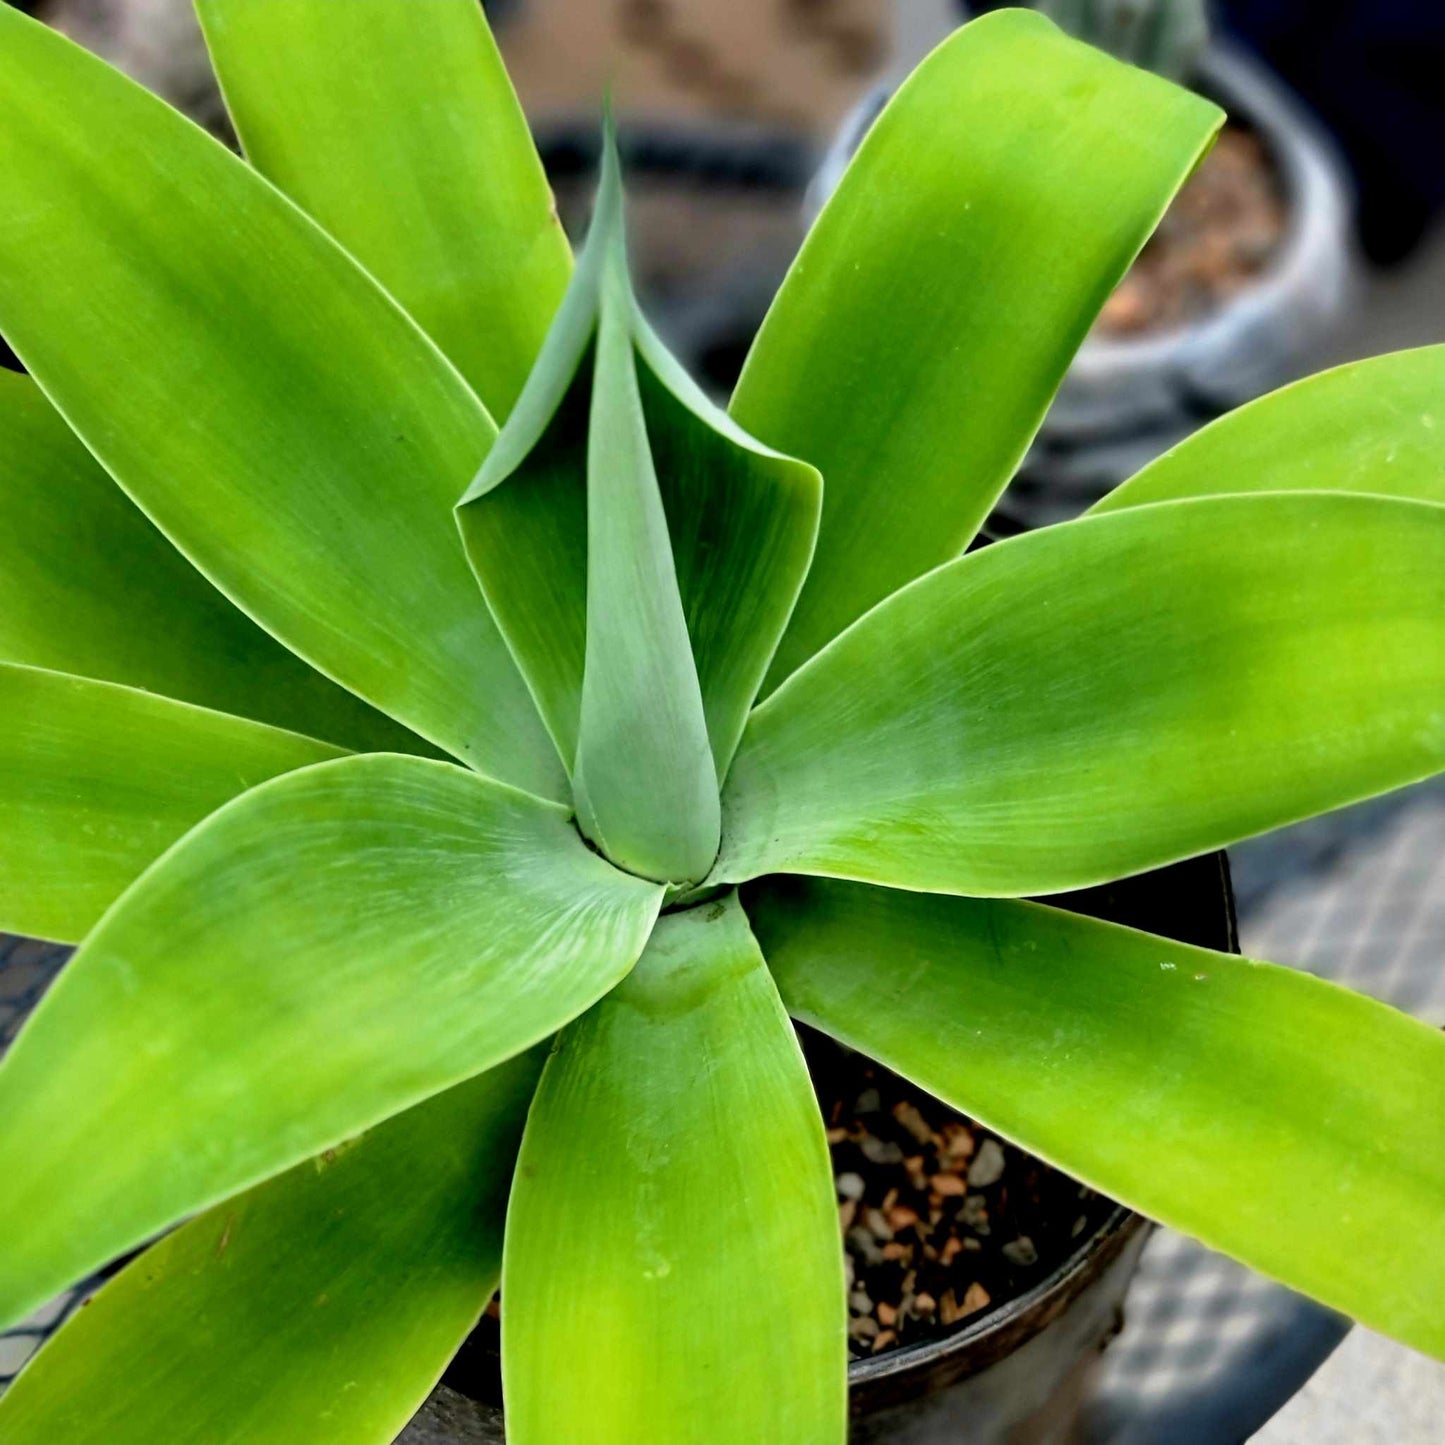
<point>894,1375</point>
<point>1314,256</point>
<point>1314,246</point>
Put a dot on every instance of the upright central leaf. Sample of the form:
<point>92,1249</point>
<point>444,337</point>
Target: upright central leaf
<point>641,554</point>
<point>644,778</point>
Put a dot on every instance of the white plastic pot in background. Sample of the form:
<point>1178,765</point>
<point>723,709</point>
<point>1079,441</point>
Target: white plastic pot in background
<point>1126,400</point>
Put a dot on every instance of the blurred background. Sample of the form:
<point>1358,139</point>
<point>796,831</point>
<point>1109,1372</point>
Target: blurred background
<point>1313,235</point>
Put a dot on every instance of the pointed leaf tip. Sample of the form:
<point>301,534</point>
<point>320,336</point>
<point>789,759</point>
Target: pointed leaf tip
<point>919,337</point>
<point>711,539</point>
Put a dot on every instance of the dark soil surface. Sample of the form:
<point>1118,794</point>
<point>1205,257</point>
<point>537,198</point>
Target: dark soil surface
<point>940,1219</point>
<point>1217,237</point>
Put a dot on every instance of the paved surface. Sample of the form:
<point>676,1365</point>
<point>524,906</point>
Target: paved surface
<point>1370,1392</point>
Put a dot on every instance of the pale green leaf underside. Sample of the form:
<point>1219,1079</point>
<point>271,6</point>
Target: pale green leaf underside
<point>1286,1121</point>
<point>318,1308</point>
<point>323,952</point>
<point>1371,426</point>
<point>98,780</point>
<point>89,587</point>
<point>394,124</point>
<point>672,1268</point>
<point>523,520</point>
<point>1107,696</point>
<point>926,324</point>
<point>743,521</point>
<point>266,403</point>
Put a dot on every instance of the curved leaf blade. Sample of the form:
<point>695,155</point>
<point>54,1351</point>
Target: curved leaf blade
<point>322,953</point>
<point>1023,721</point>
<point>645,783</point>
<point>96,781</point>
<point>644,779</point>
<point>743,520</point>
<point>924,328</point>
<point>673,1165</point>
<point>322,1305</point>
<point>1370,426</point>
<point>269,407</point>
<point>395,125</point>
<point>1286,1121</point>
<point>89,587</point>
<point>523,520</point>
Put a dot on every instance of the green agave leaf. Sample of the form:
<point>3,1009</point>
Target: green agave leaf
<point>320,1306</point>
<point>740,519</point>
<point>89,587</point>
<point>322,953</point>
<point>1107,696</point>
<point>96,781</point>
<point>1289,1122</point>
<point>926,324</point>
<point>1372,426</point>
<point>743,521</point>
<point>673,1168</point>
<point>644,780</point>
<point>524,518</point>
<point>394,124</point>
<point>269,407</point>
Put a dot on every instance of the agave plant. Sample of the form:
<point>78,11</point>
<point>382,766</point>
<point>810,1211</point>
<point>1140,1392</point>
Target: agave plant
<point>356,798</point>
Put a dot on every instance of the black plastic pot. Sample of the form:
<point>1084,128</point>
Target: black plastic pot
<point>1018,1373</point>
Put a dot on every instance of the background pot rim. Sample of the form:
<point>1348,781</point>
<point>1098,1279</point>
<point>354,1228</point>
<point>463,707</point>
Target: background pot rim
<point>1314,252</point>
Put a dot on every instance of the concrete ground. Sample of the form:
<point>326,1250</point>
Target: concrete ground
<point>1371,1391</point>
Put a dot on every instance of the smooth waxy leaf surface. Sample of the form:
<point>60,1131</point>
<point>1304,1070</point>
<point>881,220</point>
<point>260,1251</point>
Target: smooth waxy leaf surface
<point>1107,696</point>
<point>523,520</point>
<point>394,124</point>
<point>926,324</point>
<point>740,520</point>
<point>322,953</point>
<point>320,1306</point>
<point>1287,1121</point>
<point>89,587</point>
<point>266,403</point>
<point>1372,426</point>
<point>672,1268</point>
<point>644,778</point>
<point>98,780</point>
<point>743,521</point>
